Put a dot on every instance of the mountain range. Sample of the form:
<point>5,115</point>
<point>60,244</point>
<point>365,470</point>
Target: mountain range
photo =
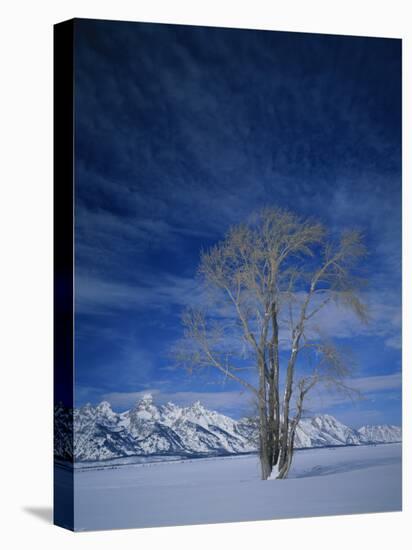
<point>148,429</point>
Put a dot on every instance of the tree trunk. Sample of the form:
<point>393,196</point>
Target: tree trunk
<point>274,405</point>
<point>284,469</point>
<point>265,465</point>
<point>284,441</point>
<point>264,449</point>
<point>285,423</point>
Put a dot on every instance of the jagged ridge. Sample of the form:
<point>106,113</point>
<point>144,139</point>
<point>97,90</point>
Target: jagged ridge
<point>148,429</point>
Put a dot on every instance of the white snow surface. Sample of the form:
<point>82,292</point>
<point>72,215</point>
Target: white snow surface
<point>325,481</point>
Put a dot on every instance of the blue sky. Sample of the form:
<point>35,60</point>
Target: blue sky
<point>181,132</point>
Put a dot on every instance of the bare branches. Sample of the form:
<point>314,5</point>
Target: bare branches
<point>331,368</point>
<point>242,317</point>
<point>316,310</point>
<point>203,346</point>
<point>274,276</point>
<point>335,280</point>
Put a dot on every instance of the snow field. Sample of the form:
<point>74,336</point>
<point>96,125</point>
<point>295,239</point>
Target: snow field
<point>328,481</point>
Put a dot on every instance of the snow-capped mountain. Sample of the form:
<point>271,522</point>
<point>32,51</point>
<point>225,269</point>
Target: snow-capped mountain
<point>325,430</point>
<point>380,434</point>
<point>148,429</point>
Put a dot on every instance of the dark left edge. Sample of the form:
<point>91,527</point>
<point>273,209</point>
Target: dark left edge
<point>63,481</point>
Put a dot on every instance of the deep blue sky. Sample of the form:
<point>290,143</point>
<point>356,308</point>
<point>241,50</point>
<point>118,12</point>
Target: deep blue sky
<point>182,131</point>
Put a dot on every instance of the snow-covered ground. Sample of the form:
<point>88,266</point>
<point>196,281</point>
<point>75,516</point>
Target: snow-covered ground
<point>326,481</point>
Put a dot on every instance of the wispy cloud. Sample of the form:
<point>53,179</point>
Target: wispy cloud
<point>370,388</point>
<point>337,321</point>
<point>373,384</point>
<point>99,295</point>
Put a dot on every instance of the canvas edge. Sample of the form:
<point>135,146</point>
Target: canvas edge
<point>63,257</point>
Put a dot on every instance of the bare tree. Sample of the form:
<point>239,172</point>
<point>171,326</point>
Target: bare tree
<point>269,279</point>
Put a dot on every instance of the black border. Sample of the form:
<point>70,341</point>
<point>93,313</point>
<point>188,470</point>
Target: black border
<point>63,65</point>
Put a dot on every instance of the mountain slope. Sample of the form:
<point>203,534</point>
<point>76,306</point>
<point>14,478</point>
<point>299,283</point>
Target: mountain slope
<point>148,429</point>
<point>380,434</point>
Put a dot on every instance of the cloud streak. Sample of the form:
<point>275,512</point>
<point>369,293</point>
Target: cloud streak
<point>97,295</point>
<point>371,388</point>
<point>374,389</point>
<point>182,132</point>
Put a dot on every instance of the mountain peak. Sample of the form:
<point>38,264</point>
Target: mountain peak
<point>103,409</point>
<point>147,398</point>
<point>198,409</point>
<point>170,406</point>
<point>104,406</point>
<point>145,409</point>
<point>144,402</point>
